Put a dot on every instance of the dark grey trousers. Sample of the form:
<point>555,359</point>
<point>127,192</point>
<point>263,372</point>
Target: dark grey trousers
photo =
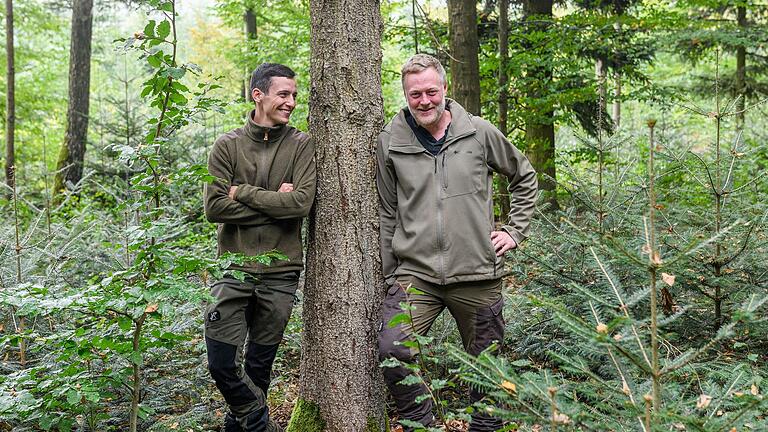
<point>476,306</point>
<point>256,311</point>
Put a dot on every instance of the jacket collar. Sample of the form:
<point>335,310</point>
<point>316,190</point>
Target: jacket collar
<point>404,140</point>
<point>263,134</point>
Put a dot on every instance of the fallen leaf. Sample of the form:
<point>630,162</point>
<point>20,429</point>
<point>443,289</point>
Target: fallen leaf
<point>754,390</point>
<point>510,387</point>
<point>151,308</point>
<point>704,401</point>
<point>602,328</point>
<point>656,259</point>
<point>560,418</point>
<point>668,278</point>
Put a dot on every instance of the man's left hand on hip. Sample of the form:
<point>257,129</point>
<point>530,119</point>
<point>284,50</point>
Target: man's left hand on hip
<point>502,242</point>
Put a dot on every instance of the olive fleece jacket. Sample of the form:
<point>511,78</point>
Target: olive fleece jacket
<point>436,212</point>
<point>258,160</point>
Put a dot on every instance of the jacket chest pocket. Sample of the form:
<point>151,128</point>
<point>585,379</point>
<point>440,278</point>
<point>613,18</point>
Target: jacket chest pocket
<point>463,171</point>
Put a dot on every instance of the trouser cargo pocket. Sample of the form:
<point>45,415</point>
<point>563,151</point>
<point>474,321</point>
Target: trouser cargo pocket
<point>225,317</point>
<point>489,327</point>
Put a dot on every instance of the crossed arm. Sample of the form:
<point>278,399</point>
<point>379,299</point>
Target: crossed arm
<point>252,205</point>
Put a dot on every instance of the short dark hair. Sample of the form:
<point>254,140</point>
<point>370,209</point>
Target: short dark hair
<point>261,78</point>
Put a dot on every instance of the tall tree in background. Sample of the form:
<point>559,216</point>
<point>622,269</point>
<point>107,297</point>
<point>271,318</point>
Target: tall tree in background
<point>741,68</point>
<point>540,125</point>
<point>69,168</point>
<point>465,69</point>
<point>610,55</point>
<point>341,389</point>
<point>10,102</point>
<point>734,27</point>
<point>250,37</point>
<point>502,181</point>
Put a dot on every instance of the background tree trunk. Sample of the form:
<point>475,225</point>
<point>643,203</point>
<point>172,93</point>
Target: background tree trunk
<point>540,126</point>
<point>601,73</point>
<point>69,167</point>
<point>10,101</point>
<point>741,69</point>
<point>341,388</point>
<point>617,87</point>
<point>503,196</point>
<point>465,69</point>
<point>250,36</point>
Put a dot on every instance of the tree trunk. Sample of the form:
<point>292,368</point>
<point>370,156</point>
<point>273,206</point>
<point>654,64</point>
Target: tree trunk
<point>10,99</point>
<point>741,69</point>
<point>465,69</point>
<point>600,75</point>
<point>617,88</point>
<point>69,168</point>
<point>503,196</point>
<point>539,126</point>
<point>250,36</point>
<point>341,388</point>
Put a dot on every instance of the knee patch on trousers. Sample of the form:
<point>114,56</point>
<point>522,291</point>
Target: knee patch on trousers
<point>229,380</point>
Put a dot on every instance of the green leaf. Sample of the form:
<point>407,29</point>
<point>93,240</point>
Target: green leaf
<point>163,29</point>
<point>390,363</point>
<point>410,380</point>
<point>178,98</point>
<point>401,318</point>
<point>136,358</point>
<point>149,29</point>
<point>154,61</point>
<point>176,73</point>
<point>73,397</point>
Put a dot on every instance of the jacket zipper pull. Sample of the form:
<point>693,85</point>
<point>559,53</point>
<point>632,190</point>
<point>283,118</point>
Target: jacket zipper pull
<point>445,177</point>
<point>266,135</point>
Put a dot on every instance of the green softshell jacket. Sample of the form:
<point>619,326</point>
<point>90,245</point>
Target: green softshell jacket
<point>436,212</point>
<point>258,160</point>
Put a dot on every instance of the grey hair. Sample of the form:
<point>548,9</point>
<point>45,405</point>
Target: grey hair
<point>420,62</point>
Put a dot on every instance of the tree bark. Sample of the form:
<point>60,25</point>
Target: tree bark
<point>341,387</point>
<point>617,87</point>
<point>741,69</point>
<point>250,36</point>
<point>539,126</point>
<point>601,73</point>
<point>10,99</point>
<point>465,68</point>
<point>503,196</point>
<point>69,168</point>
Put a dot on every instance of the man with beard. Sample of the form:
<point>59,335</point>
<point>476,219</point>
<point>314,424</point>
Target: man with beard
<point>439,246</point>
<point>265,185</point>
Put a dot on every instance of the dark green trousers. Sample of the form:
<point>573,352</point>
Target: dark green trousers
<point>255,311</point>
